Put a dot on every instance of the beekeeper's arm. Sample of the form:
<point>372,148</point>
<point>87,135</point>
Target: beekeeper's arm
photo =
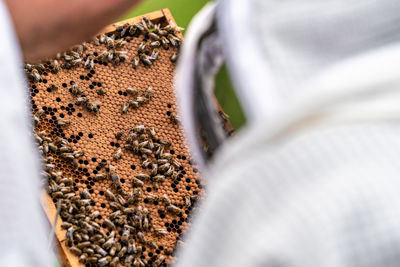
<point>45,27</point>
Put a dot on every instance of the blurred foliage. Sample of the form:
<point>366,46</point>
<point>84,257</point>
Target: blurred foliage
<point>183,11</point>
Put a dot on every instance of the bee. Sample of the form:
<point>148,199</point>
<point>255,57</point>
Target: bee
<point>110,42</point>
<point>75,89</point>
<point>175,38</point>
<point>133,104</point>
<point>174,57</point>
<point>165,143</point>
<point>119,43</point>
<point>140,27</point>
<point>139,129</point>
<point>102,164</point>
<point>69,156</point>
<point>102,38</point>
<point>118,154</point>
<point>146,163</point>
<point>147,22</point>
<point>45,147</point>
<point>86,195</point>
<point>76,62</point>
<point>134,196</point>
<point>101,251</point>
<point>138,262</point>
<point>174,118</point>
<point>101,91</point>
<point>141,100</point>
<point>155,44</point>
<point>114,262</point>
<point>111,168</point>
<point>83,257</point>
<point>122,252</point>
<point>145,151</point>
<point>159,260</point>
<point>125,234</point>
<point>143,177</point>
<point>154,169</point>
<point>154,36</point>
<point>53,87</point>
<point>91,260</point>
<point>175,163</point>
<point>100,176</point>
<point>136,61</point>
<point>148,92</point>
<point>131,246</point>
<point>55,67</point>
<point>152,198</point>
<point>75,163</point>
<point>92,107</point>
<point>187,200</point>
<point>110,55</point>
<point>110,196</point>
<point>168,252</point>
<point>78,153</point>
<point>125,107</point>
<point>104,261</point>
<point>158,178</point>
<point>53,147</point>
<point>119,135</point>
<point>162,32</point>
<point>94,214</point>
<point>121,200</point>
<point>160,231</point>
<point>164,167</point>
<point>145,59</point>
<point>81,100</point>
<point>173,209</point>
<point>131,91</point>
<point>75,250</point>
<point>39,113</point>
<point>136,182</point>
<point>89,63</point>
<point>35,76</point>
<point>142,46</point>
<point>166,199</point>
<point>154,54</point>
<point>170,171</point>
<point>109,224</point>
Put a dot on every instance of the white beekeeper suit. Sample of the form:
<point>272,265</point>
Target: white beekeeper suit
<point>313,178</point>
<point>23,234</point>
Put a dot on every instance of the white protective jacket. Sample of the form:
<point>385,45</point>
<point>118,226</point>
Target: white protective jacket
<point>313,178</point>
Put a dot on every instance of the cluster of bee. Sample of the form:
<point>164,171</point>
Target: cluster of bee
<point>155,37</point>
<point>88,239</point>
<point>153,156</point>
<point>111,54</point>
<point>140,100</point>
<point>84,100</point>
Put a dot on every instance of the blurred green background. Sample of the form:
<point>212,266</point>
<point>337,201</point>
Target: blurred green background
<point>183,11</point>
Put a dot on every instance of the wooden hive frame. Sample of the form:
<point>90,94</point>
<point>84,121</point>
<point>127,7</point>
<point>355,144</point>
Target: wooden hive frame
<point>66,258</point>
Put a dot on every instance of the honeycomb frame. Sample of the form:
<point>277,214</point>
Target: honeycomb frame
<point>160,77</point>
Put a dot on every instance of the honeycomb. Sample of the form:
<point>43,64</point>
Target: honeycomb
<point>97,158</point>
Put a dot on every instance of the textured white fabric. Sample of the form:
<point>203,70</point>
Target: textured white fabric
<point>280,45</point>
<point>316,181</point>
<point>23,234</point>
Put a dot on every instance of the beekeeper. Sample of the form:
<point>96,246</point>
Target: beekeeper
<point>312,179</point>
<point>33,30</point>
